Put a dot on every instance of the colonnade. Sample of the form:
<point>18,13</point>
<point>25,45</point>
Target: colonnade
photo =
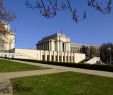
<point>54,46</point>
<point>57,56</point>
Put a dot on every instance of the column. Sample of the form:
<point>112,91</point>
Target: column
<point>40,55</point>
<point>54,56</point>
<point>50,55</point>
<point>68,47</point>
<point>71,57</point>
<point>58,56</point>
<point>57,46</point>
<point>68,54</point>
<point>45,55</point>
<point>74,57</point>
<point>52,44</point>
<point>65,57</point>
<point>61,56</point>
<point>64,47</point>
<point>61,49</point>
<point>49,46</point>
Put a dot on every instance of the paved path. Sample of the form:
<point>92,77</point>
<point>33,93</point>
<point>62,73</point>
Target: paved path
<point>92,72</point>
<point>10,75</point>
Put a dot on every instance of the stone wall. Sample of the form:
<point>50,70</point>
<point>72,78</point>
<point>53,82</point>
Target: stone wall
<point>48,55</point>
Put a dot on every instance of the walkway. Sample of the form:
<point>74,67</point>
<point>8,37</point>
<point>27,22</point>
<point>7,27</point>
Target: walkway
<point>86,71</point>
<point>10,75</point>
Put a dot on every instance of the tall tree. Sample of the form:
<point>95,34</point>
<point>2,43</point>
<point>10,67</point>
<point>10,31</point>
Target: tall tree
<point>84,50</point>
<point>106,53</point>
<point>50,8</point>
<point>92,51</point>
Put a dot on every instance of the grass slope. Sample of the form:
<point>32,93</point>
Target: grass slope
<point>67,83</point>
<point>9,66</point>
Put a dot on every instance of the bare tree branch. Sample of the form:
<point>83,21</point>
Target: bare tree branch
<point>50,8</point>
<point>5,14</point>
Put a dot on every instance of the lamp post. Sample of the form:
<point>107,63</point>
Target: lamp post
<point>109,49</point>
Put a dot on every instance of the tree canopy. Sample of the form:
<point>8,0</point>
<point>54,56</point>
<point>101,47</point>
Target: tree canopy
<point>106,53</point>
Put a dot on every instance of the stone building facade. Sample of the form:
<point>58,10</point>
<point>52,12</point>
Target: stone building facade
<point>60,42</point>
<point>55,47</point>
<point>7,38</point>
<point>60,49</point>
<point>55,42</point>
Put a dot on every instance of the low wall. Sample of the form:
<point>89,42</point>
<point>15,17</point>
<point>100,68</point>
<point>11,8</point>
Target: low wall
<point>48,55</point>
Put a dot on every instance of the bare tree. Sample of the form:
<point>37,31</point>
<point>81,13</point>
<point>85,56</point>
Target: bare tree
<point>5,16</point>
<point>50,8</point>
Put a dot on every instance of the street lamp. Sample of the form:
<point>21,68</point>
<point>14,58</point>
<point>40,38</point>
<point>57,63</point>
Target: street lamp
<point>109,49</point>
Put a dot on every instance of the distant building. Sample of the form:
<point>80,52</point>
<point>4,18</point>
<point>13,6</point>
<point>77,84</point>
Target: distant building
<point>60,42</point>
<point>7,38</point>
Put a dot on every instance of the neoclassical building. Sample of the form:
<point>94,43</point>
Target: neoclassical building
<point>56,47</point>
<point>62,43</point>
<point>7,38</point>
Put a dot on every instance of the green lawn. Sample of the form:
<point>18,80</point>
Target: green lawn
<point>9,66</point>
<point>67,83</point>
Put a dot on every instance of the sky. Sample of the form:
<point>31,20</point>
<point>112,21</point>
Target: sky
<point>31,26</point>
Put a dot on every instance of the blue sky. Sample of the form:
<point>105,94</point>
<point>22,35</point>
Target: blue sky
<point>31,26</point>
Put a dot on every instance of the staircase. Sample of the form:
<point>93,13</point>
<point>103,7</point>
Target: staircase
<point>93,60</point>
